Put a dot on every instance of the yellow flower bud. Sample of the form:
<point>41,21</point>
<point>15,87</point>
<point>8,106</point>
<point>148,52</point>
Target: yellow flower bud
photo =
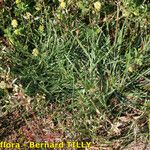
<point>2,85</point>
<point>18,1</point>
<point>97,6</point>
<point>27,15</point>
<point>130,69</point>
<point>41,28</point>
<point>63,5</point>
<point>35,52</point>
<point>14,23</point>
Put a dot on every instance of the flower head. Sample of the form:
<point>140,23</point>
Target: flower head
<point>2,85</point>
<point>18,1</point>
<point>130,69</point>
<point>35,52</point>
<point>27,15</point>
<point>41,28</point>
<point>62,4</point>
<point>97,6</point>
<point>14,23</point>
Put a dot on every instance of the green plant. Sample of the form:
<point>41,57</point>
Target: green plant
<point>89,61</point>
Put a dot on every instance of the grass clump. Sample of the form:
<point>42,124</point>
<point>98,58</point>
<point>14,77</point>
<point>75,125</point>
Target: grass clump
<point>89,58</point>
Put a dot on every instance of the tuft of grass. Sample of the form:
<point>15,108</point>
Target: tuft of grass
<point>92,66</point>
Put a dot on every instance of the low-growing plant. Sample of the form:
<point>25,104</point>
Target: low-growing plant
<point>90,59</point>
